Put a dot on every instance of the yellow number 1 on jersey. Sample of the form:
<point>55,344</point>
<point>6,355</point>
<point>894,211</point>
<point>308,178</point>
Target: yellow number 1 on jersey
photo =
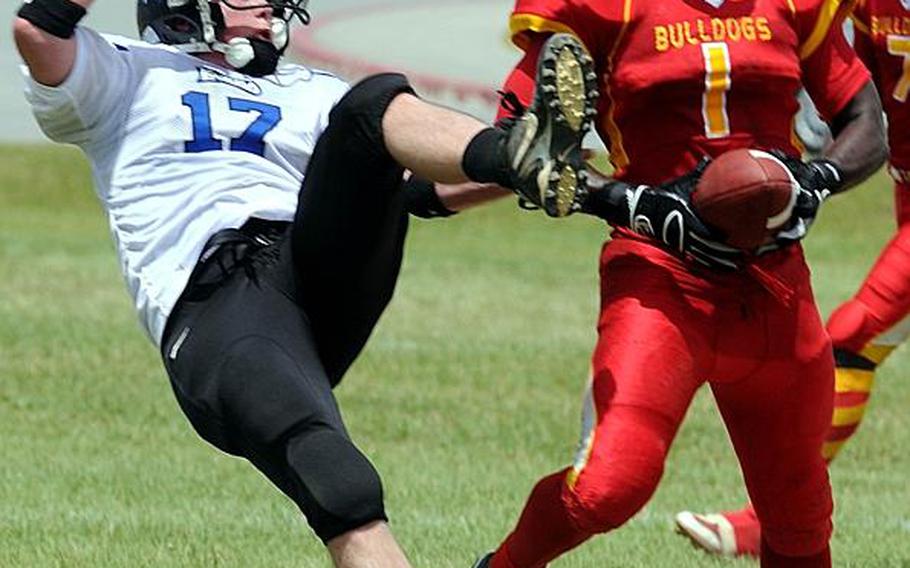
<point>900,46</point>
<point>717,84</point>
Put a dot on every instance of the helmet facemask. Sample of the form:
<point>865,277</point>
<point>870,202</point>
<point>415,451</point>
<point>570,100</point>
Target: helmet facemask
<point>283,13</point>
<point>286,10</point>
<point>193,26</point>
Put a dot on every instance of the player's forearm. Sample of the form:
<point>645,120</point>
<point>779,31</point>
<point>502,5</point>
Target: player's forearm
<point>427,199</point>
<point>860,146</point>
<point>49,58</point>
<point>466,195</point>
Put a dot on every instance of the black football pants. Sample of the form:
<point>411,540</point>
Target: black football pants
<point>275,313</point>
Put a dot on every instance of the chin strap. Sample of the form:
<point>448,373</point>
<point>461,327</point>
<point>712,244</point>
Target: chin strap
<point>251,56</point>
<point>240,52</point>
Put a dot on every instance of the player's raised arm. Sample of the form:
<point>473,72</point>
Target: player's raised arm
<point>858,150</point>
<point>44,34</point>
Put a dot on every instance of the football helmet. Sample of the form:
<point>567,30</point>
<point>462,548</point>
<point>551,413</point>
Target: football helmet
<point>194,26</point>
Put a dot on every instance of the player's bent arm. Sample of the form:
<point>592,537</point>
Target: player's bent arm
<point>858,150</point>
<point>49,58</point>
<point>860,144</point>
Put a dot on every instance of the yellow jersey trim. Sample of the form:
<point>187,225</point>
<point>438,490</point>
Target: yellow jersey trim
<point>618,155</point>
<point>828,15</point>
<point>521,23</point>
<point>795,140</point>
<point>860,26</point>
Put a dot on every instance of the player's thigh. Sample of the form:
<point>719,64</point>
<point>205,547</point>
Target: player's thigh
<point>344,293</point>
<point>351,190</point>
<point>778,418</point>
<point>250,378</point>
<point>645,371</point>
<point>244,363</point>
<point>348,234</point>
<point>777,421</point>
<point>655,339</point>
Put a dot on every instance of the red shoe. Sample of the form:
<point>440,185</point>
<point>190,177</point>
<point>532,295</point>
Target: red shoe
<point>735,533</point>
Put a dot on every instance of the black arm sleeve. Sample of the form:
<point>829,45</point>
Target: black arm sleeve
<point>421,199</point>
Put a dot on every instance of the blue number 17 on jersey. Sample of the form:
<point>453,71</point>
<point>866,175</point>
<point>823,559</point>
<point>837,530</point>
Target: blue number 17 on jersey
<point>252,140</point>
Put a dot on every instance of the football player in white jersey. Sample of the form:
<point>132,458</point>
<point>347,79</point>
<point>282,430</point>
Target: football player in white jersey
<point>259,212</point>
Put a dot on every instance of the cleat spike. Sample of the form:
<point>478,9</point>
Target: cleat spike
<point>547,167</point>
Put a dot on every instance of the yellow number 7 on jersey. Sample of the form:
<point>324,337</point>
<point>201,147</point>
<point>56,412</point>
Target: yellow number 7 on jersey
<point>900,46</point>
<point>717,83</point>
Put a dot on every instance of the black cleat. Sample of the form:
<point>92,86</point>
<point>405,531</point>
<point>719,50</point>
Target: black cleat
<point>483,562</point>
<point>544,144</point>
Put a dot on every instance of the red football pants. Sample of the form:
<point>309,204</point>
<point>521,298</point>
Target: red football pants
<point>884,298</point>
<point>663,332</point>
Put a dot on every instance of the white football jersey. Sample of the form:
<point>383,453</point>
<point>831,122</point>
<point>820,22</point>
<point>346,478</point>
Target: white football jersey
<point>181,149</point>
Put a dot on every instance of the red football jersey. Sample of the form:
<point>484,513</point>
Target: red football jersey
<point>681,79</point>
<point>883,42</point>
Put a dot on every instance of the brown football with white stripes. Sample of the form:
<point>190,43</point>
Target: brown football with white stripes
<point>746,196</point>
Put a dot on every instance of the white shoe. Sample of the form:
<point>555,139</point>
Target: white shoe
<point>714,533</point>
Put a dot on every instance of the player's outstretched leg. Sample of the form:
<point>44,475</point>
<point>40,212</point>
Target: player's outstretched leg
<point>538,155</point>
<point>544,144</point>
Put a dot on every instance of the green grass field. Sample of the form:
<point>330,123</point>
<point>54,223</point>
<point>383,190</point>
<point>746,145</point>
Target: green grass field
<point>468,391</point>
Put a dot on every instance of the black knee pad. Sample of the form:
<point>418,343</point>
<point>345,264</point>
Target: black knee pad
<point>341,489</point>
<point>359,113</point>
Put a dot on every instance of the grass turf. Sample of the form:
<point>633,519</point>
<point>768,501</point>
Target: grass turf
<point>468,392</point>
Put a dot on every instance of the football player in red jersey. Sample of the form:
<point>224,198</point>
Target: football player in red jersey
<point>866,328</point>
<point>681,79</point>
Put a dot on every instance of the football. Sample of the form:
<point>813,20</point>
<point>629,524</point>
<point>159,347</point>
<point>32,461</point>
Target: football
<point>747,196</point>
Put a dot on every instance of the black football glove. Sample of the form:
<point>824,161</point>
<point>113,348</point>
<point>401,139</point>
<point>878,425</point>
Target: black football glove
<point>663,213</point>
<point>817,180</point>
